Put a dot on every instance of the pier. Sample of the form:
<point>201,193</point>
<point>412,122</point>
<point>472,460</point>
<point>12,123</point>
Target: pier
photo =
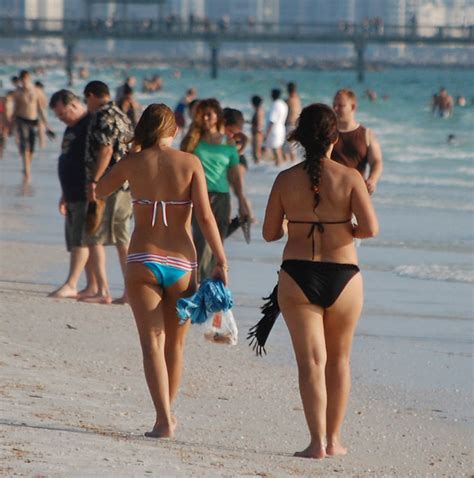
<point>214,34</point>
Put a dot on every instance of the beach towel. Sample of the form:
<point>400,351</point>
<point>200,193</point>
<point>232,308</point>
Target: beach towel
<point>212,296</point>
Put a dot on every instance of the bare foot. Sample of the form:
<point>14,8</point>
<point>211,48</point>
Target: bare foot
<point>313,451</point>
<point>64,292</point>
<point>163,431</point>
<point>336,449</point>
<point>120,300</point>
<point>87,292</point>
<point>97,299</point>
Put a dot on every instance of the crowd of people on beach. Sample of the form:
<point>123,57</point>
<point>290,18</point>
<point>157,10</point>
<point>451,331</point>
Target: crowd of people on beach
<point>116,162</point>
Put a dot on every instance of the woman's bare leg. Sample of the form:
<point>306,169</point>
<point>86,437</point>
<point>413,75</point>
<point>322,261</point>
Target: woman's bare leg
<point>175,333</point>
<point>305,324</point>
<point>145,298</point>
<point>340,321</point>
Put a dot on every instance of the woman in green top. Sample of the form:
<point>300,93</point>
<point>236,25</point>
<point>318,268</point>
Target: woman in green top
<point>220,161</point>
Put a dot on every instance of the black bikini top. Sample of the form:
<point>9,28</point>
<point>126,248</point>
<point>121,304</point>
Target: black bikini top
<point>319,225</point>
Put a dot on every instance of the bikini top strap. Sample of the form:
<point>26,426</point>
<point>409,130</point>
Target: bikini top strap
<point>319,225</point>
<point>153,216</point>
<point>163,207</point>
<point>314,225</point>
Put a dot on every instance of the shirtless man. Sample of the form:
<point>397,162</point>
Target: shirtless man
<point>357,146</point>
<point>258,124</point>
<point>26,116</point>
<point>294,109</point>
<point>443,104</point>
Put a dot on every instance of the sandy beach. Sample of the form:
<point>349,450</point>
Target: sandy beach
<point>74,401</point>
<point>73,397</point>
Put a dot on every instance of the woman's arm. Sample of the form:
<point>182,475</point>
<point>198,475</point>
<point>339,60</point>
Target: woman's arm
<point>272,229</point>
<point>362,208</point>
<point>236,180</point>
<point>110,182</point>
<point>207,221</point>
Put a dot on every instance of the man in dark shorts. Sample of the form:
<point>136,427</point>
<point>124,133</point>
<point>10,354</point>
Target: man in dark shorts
<point>27,113</point>
<point>108,138</point>
<point>72,176</point>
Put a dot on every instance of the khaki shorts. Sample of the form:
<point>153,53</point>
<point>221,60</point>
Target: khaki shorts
<point>75,224</point>
<point>115,227</point>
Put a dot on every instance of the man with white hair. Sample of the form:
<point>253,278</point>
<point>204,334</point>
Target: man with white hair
<point>69,109</point>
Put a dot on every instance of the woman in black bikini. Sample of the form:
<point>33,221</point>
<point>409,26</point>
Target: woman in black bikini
<point>320,287</point>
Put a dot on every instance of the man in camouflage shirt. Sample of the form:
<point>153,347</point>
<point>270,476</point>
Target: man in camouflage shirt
<point>108,139</point>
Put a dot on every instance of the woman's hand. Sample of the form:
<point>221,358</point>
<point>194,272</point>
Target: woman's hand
<point>245,211</point>
<point>220,272</point>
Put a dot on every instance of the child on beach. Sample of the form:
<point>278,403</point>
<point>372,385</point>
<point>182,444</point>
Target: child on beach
<point>166,185</point>
<point>320,287</point>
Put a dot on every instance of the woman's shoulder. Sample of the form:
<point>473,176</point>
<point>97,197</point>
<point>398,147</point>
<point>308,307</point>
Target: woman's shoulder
<point>184,159</point>
<point>290,174</point>
<point>344,173</point>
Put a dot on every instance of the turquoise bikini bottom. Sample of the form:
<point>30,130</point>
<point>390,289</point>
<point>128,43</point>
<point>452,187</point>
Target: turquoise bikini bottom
<point>166,269</point>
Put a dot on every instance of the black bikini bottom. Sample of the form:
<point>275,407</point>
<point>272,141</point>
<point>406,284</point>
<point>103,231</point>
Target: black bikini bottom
<point>321,282</point>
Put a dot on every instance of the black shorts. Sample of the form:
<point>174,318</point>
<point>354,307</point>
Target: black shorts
<point>26,133</point>
<point>75,224</point>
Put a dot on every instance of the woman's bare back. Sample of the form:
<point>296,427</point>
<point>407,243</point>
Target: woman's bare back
<point>331,242</point>
<point>163,175</point>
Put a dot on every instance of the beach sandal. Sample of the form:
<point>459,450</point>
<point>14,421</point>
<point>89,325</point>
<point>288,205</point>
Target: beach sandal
<point>233,226</point>
<point>243,223</point>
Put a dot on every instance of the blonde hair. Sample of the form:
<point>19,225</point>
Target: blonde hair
<point>156,122</point>
<point>196,130</point>
<point>348,93</point>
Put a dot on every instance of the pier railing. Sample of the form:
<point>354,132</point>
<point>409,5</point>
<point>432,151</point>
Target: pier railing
<point>216,33</point>
<point>179,30</point>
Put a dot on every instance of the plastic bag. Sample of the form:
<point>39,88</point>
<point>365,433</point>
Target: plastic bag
<point>221,328</point>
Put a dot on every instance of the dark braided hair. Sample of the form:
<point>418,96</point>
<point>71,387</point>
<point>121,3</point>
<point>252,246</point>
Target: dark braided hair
<point>316,131</point>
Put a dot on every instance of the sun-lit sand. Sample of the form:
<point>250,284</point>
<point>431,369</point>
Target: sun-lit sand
<point>74,402</point>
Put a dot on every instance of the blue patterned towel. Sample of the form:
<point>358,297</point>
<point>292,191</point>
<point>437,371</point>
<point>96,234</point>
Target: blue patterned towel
<point>211,297</point>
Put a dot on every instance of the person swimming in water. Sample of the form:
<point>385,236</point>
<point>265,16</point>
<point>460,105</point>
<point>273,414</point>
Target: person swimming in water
<point>443,104</point>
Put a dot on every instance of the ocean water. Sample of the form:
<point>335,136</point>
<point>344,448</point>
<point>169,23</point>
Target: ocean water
<point>418,272</point>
